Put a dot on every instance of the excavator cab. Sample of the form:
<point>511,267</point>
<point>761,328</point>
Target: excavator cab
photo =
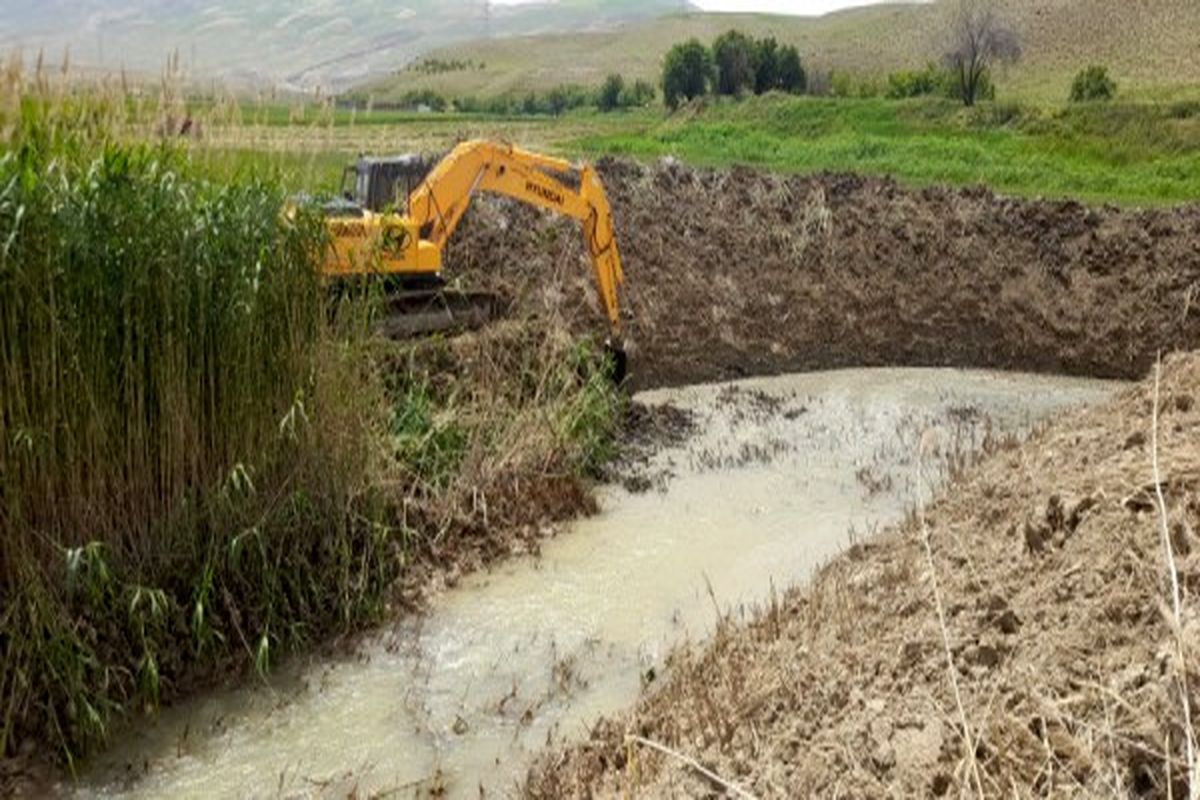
<point>378,183</point>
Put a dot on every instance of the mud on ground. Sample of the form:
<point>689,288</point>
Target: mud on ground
<point>737,273</point>
<point>1050,568</point>
<point>644,430</point>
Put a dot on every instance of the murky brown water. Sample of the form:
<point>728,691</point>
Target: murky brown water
<point>781,473</point>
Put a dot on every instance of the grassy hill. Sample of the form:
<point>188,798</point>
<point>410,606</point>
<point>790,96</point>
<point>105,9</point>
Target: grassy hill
<point>296,44</point>
<point>1150,46</point>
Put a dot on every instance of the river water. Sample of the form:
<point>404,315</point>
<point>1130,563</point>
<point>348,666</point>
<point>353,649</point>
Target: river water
<point>781,474</point>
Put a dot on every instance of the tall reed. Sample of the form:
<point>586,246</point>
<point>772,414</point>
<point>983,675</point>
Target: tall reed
<point>183,449</point>
<point>197,470</point>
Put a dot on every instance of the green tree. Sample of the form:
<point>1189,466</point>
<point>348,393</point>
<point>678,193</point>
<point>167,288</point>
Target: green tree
<point>558,100</point>
<point>1093,83</point>
<point>766,65</point>
<point>792,77</point>
<point>610,93</point>
<point>734,56</point>
<point>687,72</point>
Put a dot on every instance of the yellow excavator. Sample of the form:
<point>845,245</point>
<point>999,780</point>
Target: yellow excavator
<point>369,239</point>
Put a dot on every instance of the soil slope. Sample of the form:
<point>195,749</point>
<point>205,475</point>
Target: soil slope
<point>735,273</point>
<point>1050,568</point>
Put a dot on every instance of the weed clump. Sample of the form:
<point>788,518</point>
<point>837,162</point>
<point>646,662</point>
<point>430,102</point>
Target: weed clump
<point>1093,84</point>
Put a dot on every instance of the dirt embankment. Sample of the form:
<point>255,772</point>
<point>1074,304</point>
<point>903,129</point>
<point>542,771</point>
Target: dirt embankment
<point>734,273</point>
<point>1050,569</point>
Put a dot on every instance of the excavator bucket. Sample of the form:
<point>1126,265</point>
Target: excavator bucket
<point>618,361</point>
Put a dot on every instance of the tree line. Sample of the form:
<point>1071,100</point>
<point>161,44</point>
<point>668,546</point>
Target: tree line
<point>736,64</point>
<point>614,94</point>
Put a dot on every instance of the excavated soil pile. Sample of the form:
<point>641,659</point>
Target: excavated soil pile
<point>1050,567</point>
<point>733,273</point>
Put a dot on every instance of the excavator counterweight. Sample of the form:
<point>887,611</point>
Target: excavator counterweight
<point>408,247</point>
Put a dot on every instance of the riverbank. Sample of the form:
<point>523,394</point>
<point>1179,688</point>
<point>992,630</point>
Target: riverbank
<point>734,273</point>
<point>1032,648</point>
<point>455,452</point>
<point>460,698</point>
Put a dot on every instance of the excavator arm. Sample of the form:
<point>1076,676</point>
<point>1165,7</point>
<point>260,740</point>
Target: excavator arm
<point>436,207</point>
<point>409,247</point>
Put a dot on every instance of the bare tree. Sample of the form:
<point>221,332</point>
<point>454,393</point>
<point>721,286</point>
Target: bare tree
<point>979,39</point>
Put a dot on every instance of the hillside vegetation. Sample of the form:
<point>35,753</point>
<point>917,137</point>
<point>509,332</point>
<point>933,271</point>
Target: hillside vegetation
<point>1150,47</point>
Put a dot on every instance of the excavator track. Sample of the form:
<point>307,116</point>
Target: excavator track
<point>420,312</point>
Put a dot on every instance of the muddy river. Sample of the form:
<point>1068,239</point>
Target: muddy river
<point>780,475</point>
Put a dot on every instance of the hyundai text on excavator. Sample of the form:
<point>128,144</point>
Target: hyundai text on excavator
<point>367,239</point>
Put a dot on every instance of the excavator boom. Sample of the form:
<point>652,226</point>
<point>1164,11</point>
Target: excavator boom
<point>410,246</point>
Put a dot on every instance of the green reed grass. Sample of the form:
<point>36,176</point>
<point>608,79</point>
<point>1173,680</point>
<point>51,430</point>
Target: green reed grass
<point>206,460</point>
<point>183,448</point>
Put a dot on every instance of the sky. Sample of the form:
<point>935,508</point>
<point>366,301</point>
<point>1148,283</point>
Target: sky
<point>794,7</point>
<point>799,7</point>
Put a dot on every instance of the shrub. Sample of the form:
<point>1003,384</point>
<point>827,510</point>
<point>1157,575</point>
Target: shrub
<point>1093,84</point>
<point>845,84</point>
<point>640,94</point>
<point>609,97</point>
<point>1184,109</point>
<point>791,77</point>
<point>982,87</point>
<point>917,83</point>
<point>415,99</point>
<point>687,72</point>
<point>557,101</point>
<point>734,55</point>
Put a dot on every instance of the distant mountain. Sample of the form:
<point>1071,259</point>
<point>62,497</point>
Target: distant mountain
<point>296,44</point>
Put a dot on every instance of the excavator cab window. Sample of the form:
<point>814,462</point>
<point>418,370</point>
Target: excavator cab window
<point>378,184</point>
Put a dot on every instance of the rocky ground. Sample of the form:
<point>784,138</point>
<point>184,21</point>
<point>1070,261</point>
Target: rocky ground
<point>1047,562</point>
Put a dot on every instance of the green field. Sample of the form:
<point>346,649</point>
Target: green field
<point>1132,153</point>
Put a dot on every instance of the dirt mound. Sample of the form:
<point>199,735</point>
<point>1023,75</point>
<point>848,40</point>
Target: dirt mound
<point>735,273</point>
<point>1050,570</point>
